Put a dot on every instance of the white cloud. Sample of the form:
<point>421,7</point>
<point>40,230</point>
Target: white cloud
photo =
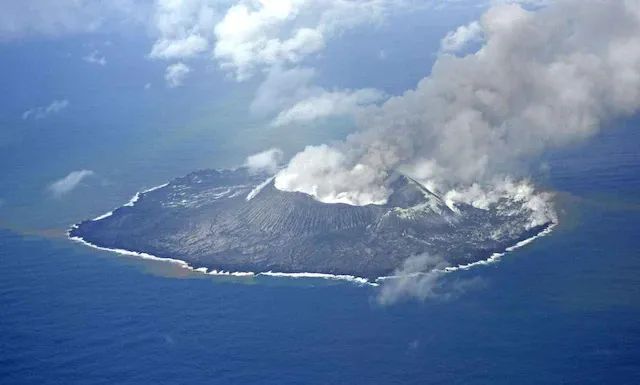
<point>42,112</point>
<point>272,37</point>
<point>293,97</point>
<point>460,39</point>
<point>279,39</point>
<point>55,18</point>
<point>94,57</point>
<point>253,35</point>
<point>484,4</point>
<point>282,88</point>
<point>248,36</point>
<point>67,184</point>
<point>184,28</point>
<point>524,3</point>
<point>176,73</point>
<point>268,160</point>
<point>328,103</point>
<point>179,48</point>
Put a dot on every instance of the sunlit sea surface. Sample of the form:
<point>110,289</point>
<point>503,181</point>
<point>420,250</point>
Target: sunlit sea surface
<point>562,310</point>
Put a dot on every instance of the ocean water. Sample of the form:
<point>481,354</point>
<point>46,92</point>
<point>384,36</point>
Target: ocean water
<point>565,309</point>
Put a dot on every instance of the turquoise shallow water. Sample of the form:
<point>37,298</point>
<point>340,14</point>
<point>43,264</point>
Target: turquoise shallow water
<point>564,309</point>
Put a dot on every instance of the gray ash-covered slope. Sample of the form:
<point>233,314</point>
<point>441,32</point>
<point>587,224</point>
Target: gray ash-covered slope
<point>237,221</point>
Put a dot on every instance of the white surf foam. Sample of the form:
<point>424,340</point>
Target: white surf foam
<point>544,232</point>
<point>204,270</point>
<point>494,258</point>
<point>132,253</point>
<point>341,277</point>
<point>131,202</point>
<point>232,273</point>
<point>136,197</point>
<point>154,188</point>
<point>103,216</point>
<point>148,256</point>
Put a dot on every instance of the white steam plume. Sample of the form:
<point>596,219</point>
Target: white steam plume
<point>69,183</point>
<point>541,79</point>
<point>422,277</point>
<point>268,161</point>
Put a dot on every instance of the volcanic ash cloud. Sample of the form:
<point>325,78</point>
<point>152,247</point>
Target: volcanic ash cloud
<point>541,79</point>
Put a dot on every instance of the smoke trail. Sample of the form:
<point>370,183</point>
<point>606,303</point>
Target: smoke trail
<point>422,277</point>
<point>541,79</point>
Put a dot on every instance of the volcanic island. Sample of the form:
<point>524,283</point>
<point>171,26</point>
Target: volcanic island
<point>238,221</point>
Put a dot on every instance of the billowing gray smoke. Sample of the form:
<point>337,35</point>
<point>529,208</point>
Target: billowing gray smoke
<point>541,79</point>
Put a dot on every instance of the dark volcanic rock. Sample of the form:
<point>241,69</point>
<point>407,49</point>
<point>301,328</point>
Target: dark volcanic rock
<point>207,219</point>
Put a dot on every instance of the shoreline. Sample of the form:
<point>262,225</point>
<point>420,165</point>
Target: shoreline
<point>494,258</point>
<point>184,264</point>
<point>131,202</point>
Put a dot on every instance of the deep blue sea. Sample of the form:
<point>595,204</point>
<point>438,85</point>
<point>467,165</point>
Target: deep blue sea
<point>562,310</point>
